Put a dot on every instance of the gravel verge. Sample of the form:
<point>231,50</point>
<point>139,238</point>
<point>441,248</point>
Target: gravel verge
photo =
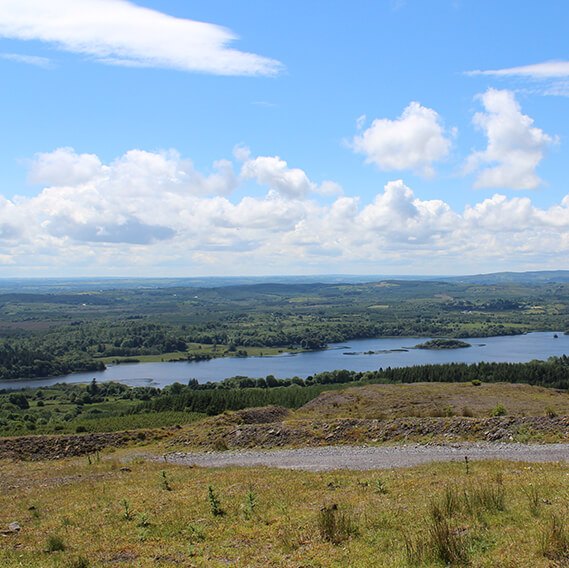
<point>370,457</point>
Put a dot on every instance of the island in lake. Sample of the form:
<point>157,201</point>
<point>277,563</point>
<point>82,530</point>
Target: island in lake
<point>443,344</point>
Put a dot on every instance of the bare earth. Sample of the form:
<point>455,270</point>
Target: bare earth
<point>366,458</point>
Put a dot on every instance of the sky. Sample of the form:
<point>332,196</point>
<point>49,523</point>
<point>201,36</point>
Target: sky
<point>183,138</point>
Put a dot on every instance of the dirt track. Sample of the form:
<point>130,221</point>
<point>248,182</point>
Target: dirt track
<point>365,458</point>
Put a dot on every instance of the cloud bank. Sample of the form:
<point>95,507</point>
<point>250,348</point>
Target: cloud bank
<point>153,213</point>
<point>119,32</point>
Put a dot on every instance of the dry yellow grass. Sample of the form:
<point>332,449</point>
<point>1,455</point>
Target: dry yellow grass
<point>107,517</point>
<point>436,399</point>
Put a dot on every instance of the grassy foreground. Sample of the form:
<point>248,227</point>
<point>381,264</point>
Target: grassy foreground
<point>90,512</point>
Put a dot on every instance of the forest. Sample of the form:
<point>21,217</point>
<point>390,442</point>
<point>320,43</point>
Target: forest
<point>54,330</point>
<point>113,406</point>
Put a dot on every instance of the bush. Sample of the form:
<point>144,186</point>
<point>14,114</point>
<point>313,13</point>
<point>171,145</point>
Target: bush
<point>334,525</point>
<point>498,410</point>
<point>55,544</point>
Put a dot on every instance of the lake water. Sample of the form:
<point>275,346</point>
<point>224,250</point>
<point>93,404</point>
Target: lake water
<point>517,348</point>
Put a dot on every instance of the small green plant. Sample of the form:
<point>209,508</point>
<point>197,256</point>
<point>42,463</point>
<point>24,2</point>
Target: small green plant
<point>380,487</point>
<point>127,512</point>
<point>143,521</point>
<point>550,412</point>
<point>554,541</point>
<point>214,503</point>
<point>498,410</point>
<point>448,411</point>
<point>476,382</point>
<point>164,482</point>
<point>196,533</point>
<point>250,504</point>
<point>534,501</point>
<point>55,543</point>
<point>448,544</point>
<point>335,526</point>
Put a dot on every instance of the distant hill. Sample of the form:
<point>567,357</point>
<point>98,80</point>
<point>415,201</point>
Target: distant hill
<point>74,285</point>
<point>535,277</point>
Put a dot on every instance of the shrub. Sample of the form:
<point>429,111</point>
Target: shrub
<point>498,410</point>
<point>55,544</point>
<point>334,525</point>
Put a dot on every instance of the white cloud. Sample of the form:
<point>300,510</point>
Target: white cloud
<point>413,141</point>
<point>272,171</point>
<point>118,32</point>
<point>64,167</point>
<point>153,213</point>
<point>35,60</point>
<point>545,70</point>
<point>515,147</point>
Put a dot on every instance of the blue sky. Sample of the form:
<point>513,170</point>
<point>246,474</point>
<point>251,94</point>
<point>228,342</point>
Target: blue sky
<point>181,138</point>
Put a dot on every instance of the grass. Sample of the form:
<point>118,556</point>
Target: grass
<point>106,516</point>
<point>437,399</point>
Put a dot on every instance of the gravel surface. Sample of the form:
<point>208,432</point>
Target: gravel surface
<point>365,457</point>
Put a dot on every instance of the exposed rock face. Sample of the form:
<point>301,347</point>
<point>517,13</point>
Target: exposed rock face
<point>56,447</point>
<point>362,431</point>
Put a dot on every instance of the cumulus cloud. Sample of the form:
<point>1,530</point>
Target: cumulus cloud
<point>515,147</point>
<point>154,213</point>
<point>291,183</point>
<point>64,167</point>
<point>414,141</point>
<point>119,32</point>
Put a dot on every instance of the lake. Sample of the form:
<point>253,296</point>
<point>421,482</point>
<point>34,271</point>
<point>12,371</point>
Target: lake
<point>515,349</point>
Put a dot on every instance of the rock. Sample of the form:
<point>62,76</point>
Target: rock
<point>14,527</point>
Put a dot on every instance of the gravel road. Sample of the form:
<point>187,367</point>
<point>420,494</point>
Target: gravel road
<point>365,457</point>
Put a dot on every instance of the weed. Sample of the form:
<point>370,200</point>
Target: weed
<point>290,537</point>
<point>380,487</point>
<point>448,544</point>
<point>451,502</point>
<point>554,541</point>
<point>196,533</point>
<point>164,482</point>
<point>550,412</point>
<point>489,498</point>
<point>143,521</point>
<point>334,525</point>
<point>127,512</point>
<point>55,544</point>
<point>534,502</point>
<point>250,504</point>
<point>214,503</point>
